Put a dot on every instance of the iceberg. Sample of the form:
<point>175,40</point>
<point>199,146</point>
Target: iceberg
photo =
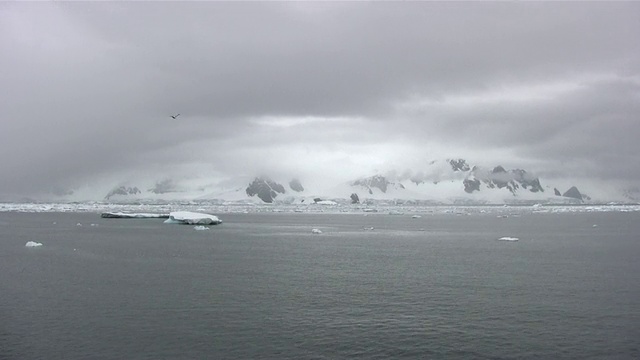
<point>326,202</point>
<point>192,218</point>
<point>121,215</point>
<point>200,227</point>
<point>316,231</point>
<point>508,238</point>
<point>32,244</point>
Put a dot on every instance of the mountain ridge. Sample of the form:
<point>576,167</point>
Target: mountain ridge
<point>449,181</point>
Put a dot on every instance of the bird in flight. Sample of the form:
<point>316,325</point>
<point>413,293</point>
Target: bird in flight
<point>175,116</point>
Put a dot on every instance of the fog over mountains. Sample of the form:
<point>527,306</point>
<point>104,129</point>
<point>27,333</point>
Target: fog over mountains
<point>450,181</point>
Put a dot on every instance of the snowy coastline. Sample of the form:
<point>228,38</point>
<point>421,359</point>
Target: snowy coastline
<point>163,210</point>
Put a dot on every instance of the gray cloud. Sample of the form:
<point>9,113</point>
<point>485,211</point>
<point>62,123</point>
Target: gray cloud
<point>88,87</point>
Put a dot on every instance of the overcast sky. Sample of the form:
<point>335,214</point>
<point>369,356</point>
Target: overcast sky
<point>339,89</point>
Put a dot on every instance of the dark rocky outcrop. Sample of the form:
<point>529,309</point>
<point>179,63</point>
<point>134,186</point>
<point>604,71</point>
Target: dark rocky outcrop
<point>574,193</point>
<point>471,185</point>
<point>123,190</point>
<point>501,178</point>
<point>527,180</point>
<point>266,189</point>
<point>556,192</point>
<point>355,199</point>
<point>295,185</point>
<point>459,165</point>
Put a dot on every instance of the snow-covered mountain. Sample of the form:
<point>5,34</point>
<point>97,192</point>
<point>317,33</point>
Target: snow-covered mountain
<point>451,181</point>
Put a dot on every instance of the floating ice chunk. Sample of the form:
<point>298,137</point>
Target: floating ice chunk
<point>32,244</point>
<point>369,228</point>
<point>416,217</point>
<point>594,225</point>
<point>508,238</point>
<point>121,215</point>
<point>192,218</point>
<point>200,228</point>
<point>316,231</point>
<point>78,224</point>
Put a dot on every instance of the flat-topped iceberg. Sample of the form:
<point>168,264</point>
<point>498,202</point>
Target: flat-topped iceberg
<point>192,218</point>
<point>508,238</point>
<point>121,215</point>
<point>32,244</point>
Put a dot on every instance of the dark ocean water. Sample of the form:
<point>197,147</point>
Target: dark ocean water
<point>262,286</point>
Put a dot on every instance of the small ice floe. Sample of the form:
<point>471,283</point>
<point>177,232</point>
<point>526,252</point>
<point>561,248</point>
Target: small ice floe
<point>595,225</point>
<point>200,228</point>
<point>94,225</point>
<point>421,229</point>
<point>508,238</point>
<point>78,224</point>
<point>121,215</point>
<point>192,218</point>
<point>369,228</point>
<point>416,217</point>
<point>32,244</point>
<point>54,223</point>
<point>316,231</point>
